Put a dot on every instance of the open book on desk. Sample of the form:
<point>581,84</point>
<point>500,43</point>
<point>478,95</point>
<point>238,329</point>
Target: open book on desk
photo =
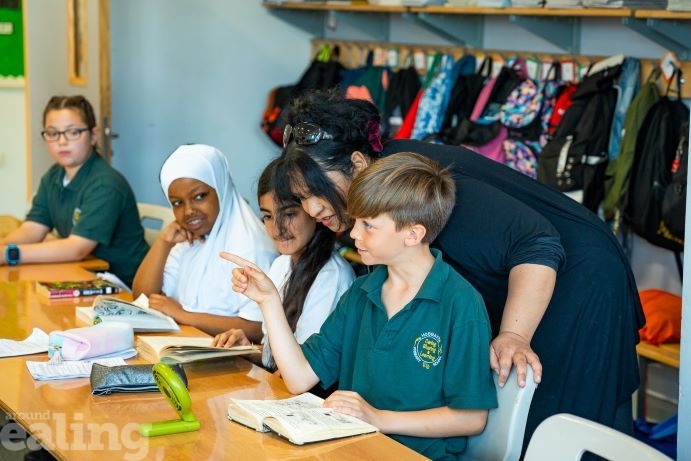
<point>184,349</point>
<point>300,419</point>
<point>136,313</point>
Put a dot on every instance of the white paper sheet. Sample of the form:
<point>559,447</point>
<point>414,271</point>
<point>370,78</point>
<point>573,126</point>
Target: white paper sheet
<point>68,369</point>
<point>36,343</point>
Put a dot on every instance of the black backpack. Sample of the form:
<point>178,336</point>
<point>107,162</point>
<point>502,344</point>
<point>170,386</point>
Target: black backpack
<point>576,157</point>
<point>657,144</point>
<point>464,93</point>
<point>674,201</point>
<point>324,72</point>
<point>403,88</point>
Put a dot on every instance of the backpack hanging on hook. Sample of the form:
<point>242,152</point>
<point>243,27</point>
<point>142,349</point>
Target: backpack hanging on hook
<point>662,139</point>
<point>577,155</point>
<point>324,72</point>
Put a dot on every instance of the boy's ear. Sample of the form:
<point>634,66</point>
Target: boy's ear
<point>416,233</point>
<point>359,161</point>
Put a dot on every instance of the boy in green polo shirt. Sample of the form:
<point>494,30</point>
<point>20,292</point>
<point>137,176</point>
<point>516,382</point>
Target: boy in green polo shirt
<point>408,343</point>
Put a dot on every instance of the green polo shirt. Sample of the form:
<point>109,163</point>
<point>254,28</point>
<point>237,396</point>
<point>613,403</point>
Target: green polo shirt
<point>98,204</point>
<point>433,353</point>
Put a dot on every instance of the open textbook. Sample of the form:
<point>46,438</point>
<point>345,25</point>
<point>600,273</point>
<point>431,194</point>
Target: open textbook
<point>137,313</point>
<point>300,419</point>
<point>184,349</point>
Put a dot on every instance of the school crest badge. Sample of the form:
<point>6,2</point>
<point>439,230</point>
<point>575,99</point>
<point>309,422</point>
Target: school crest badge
<point>427,349</point>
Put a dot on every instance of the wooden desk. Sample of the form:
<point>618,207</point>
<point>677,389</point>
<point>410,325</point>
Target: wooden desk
<point>667,354</point>
<point>94,264</point>
<point>70,422</point>
<point>21,309</point>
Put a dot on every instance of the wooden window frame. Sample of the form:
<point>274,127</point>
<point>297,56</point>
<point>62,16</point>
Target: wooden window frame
<point>76,42</point>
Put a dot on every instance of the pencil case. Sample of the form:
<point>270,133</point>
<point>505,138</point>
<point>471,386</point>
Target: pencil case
<point>88,342</point>
<point>127,378</point>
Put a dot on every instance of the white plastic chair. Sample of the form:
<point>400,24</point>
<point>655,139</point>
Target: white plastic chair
<point>566,437</point>
<point>502,439</point>
<point>154,218</point>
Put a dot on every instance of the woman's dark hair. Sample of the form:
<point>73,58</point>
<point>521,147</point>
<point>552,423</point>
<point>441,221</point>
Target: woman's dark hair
<point>353,125</point>
<point>313,257</point>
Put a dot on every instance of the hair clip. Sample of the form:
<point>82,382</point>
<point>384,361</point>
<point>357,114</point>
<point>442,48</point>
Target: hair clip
<point>373,136</point>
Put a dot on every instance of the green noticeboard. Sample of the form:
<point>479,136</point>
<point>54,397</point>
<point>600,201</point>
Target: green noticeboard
<point>11,42</point>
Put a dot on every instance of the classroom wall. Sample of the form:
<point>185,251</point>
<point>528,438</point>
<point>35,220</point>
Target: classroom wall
<point>12,147</point>
<point>200,72</point>
<point>47,75</point>
<point>12,123</point>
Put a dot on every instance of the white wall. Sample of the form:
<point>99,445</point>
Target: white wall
<point>200,72</point>
<point>12,147</point>
<point>46,71</point>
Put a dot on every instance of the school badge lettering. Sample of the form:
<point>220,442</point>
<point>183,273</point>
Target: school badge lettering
<point>427,349</point>
<point>75,216</point>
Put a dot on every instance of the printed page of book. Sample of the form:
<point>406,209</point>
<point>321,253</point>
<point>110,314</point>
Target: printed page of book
<point>140,323</point>
<point>187,349</point>
<point>252,412</point>
<point>137,313</point>
<point>315,424</point>
<point>68,369</point>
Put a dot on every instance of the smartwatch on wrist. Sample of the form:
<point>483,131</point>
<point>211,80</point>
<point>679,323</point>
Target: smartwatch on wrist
<point>12,255</point>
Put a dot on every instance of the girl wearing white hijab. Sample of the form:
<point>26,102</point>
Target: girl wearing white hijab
<point>182,274</point>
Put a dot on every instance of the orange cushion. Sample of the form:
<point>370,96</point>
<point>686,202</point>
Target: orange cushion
<point>662,317</point>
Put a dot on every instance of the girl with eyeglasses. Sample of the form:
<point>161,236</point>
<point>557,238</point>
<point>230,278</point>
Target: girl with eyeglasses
<point>558,288</point>
<point>182,274</point>
<point>87,202</point>
<point>310,274</point>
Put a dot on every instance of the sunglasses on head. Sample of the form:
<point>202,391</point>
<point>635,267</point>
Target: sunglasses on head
<point>304,134</point>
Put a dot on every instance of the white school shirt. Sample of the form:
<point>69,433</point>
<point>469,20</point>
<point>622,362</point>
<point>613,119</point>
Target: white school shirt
<point>334,278</point>
<point>218,297</point>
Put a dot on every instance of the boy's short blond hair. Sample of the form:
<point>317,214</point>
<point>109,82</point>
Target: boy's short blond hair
<point>410,188</point>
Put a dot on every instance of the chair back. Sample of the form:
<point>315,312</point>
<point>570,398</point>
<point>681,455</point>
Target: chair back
<point>154,218</point>
<point>502,439</point>
<point>568,437</point>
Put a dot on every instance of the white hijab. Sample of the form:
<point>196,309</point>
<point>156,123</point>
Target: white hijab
<point>202,281</point>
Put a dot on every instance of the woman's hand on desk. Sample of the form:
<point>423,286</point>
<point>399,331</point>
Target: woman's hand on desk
<point>230,338</point>
<point>167,305</point>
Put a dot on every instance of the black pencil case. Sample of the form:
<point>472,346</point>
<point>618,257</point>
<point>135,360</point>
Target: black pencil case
<point>127,378</point>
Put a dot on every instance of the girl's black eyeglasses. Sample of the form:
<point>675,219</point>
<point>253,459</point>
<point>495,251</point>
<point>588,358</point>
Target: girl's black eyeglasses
<point>71,135</point>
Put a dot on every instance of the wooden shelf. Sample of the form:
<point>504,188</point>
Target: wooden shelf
<point>465,25</point>
<point>474,10</point>
<point>662,14</point>
<point>556,12</point>
<point>314,6</point>
<point>667,354</point>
